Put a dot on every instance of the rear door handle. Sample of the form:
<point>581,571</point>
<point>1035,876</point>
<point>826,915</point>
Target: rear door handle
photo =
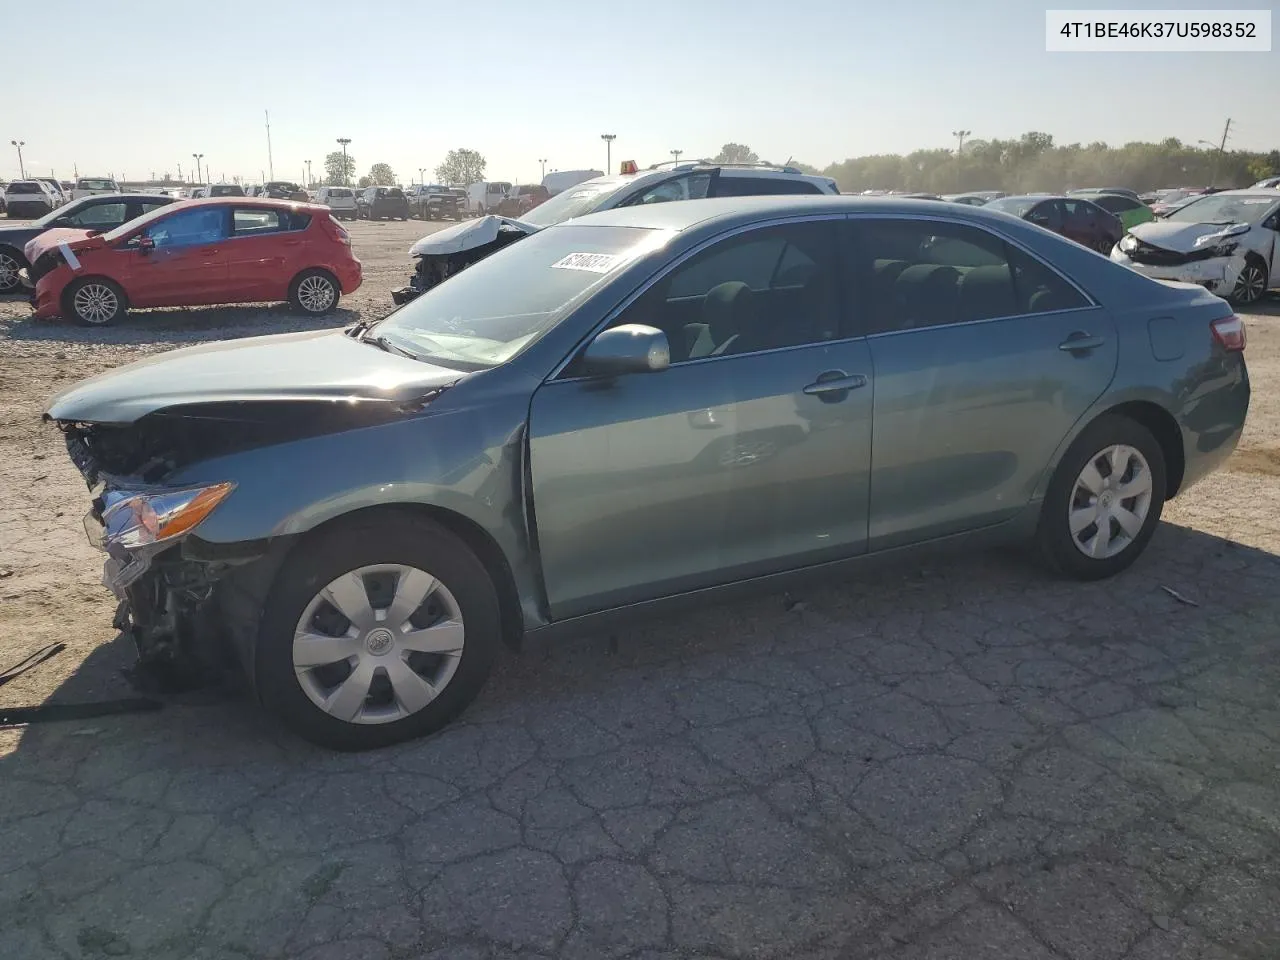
<point>832,386</point>
<point>1081,341</point>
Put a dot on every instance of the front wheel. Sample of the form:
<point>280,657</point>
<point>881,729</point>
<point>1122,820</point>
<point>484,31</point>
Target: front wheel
<point>382,630</point>
<point>11,261</point>
<point>94,302</point>
<point>1250,285</point>
<point>1104,500</point>
<point>314,292</point>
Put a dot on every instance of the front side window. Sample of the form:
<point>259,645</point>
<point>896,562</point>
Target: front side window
<point>769,288</point>
<point>190,228</point>
<point>99,216</point>
<point>907,274</point>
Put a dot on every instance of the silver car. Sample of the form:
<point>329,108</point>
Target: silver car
<point>1225,242</point>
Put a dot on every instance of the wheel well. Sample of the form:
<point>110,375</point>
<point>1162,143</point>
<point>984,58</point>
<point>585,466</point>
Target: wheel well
<point>66,291</point>
<point>4,247</point>
<point>297,278</point>
<point>1167,433</point>
<point>475,537</point>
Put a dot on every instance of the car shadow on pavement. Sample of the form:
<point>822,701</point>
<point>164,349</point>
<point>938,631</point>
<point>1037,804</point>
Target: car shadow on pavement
<point>958,756</point>
<point>179,326</point>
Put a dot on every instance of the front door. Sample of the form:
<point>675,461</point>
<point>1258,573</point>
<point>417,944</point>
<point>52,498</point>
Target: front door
<point>984,359</point>
<point>749,455</point>
<point>188,264</point>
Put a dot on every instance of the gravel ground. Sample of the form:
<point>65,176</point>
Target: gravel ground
<point>956,759</point>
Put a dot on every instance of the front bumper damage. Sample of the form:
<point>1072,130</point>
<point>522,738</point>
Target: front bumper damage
<point>1218,274</point>
<point>439,256</point>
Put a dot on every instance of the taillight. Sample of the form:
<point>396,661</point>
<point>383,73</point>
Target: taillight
<point>1229,332</point>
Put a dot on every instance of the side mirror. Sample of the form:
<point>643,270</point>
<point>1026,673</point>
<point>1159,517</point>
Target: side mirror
<point>630,348</point>
<point>146,244</point>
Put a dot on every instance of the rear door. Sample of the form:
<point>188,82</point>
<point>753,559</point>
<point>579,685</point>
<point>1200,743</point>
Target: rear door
<point>188,265</point>
<point>984,359</point>
<point>749,455</point>
<point>260,253</point>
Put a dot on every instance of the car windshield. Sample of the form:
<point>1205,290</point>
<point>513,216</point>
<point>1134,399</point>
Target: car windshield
<point>577,201</point>
<point>1018,206</point>
<point>486,314</point>
<point>1223,208</point>
<point>86,184</point>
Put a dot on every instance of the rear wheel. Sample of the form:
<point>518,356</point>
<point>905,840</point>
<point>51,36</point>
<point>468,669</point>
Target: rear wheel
<point>93,302</point>
<point>314,292</point>
<point>1104,500</point>
<point>382,630</point>
<point>1251,285</point>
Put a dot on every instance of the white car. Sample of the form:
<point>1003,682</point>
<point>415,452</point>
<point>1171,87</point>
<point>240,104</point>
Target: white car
<point>92,186</point>
<point>29,198</point>
<point>483,198</point>
<point>1228,243</point>
<point>341,200</point>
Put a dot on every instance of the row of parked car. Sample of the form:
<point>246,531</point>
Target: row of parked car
<point>38,195</point>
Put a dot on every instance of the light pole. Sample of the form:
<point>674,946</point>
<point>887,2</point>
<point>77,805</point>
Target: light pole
<point>608,139</point>
<point>344,141</point>
<point>676,154</point>
<point>543,161</point>
<point>960,135</point>
<point>308,163</point>
<point>21,168</point>
<point>422,175</point>
<point>197,157</point>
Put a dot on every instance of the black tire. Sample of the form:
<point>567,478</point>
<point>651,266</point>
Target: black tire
<point>387,538</point>
<point>11,261</point>
<point>1054,537</point>
<point>1251,286</point>
<point>72,311</point>
<point>306,299</point>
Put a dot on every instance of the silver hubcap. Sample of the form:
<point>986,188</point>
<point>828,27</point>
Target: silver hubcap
<point>378,644</point>
<point>315,294</point>
<point>96,303</point>
<point>1110,502</point>
<point>1251,285</point>
<point>8,272</point>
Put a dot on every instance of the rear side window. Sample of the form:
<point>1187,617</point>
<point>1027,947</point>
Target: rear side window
<point>762,186</point>
<point>247,221</point>
<point>909,274</point>
<point>1114,203</point>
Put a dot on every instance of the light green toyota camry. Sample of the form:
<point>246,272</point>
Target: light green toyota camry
<point>649,406</point>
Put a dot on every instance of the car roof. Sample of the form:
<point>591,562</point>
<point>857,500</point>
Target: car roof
<point>255,202</point>
<point>685,214</point>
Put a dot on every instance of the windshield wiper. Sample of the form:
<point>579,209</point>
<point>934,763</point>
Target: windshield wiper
<point>383,343</point>
<point>359,327</point>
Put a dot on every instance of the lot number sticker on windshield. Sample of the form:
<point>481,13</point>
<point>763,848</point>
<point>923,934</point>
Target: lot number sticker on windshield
<point>591,262</point>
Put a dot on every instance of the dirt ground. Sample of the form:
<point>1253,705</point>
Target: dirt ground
<point>954,759</point>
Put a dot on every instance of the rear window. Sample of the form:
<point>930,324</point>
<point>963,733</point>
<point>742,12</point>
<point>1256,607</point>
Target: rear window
<point>226,190</point>
<point>24,188</point>
<point>395,192</point>
<point>84,183</point>
<point>339,192</point>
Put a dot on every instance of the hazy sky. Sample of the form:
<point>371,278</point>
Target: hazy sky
<point>136,88</point>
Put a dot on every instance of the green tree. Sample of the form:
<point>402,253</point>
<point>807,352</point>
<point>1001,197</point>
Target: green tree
<point>339,169</point>
<point>461,167</point>
<point>736,153</point>
<point>364,182</point>
<point>381,174</point>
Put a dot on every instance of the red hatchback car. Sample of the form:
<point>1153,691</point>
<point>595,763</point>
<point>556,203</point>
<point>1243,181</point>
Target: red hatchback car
<point>194,253</point>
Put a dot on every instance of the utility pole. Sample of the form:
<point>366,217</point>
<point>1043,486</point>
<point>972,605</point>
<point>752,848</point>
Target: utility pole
<point>308,163</point>
<point>179,171</point>
<point>270,166</point>
<point>344,141</point>
<point>21,169</point>
<point>544,167</point>
<point>608,139</point>
<point>960,135</point>
<point>676,155</point>
<point>1213,180</point>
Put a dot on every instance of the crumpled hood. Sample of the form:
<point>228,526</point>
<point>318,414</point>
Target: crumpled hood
<point>1179,237</point>
<point>324,365</point>
<point>42,244</point>
<point>467,235</point>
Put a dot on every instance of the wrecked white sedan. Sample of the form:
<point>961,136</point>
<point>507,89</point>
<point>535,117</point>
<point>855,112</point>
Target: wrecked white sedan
<point>1228,243</point>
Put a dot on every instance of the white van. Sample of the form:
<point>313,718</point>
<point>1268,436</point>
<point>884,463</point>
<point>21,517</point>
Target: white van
<point>92,186</point>
<point>484,197</point>
<point>341,200</point>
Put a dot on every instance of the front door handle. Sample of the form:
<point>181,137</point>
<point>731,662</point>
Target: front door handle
<point>832,386</point>
<point>1081,341</point>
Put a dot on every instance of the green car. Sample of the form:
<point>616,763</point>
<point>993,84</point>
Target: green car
<point>1130,211</point>
<point>641,408</point>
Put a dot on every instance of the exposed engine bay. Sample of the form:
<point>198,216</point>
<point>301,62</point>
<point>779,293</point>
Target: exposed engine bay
<point>441,255</point>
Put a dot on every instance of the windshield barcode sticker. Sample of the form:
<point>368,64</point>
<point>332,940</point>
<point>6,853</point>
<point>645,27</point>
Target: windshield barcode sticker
<point>592,262</point>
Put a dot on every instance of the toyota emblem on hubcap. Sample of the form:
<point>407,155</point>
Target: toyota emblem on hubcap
<point>379,641</point>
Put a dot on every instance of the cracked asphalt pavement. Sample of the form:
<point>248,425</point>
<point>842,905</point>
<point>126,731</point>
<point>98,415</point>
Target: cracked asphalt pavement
<point>959,758</point>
